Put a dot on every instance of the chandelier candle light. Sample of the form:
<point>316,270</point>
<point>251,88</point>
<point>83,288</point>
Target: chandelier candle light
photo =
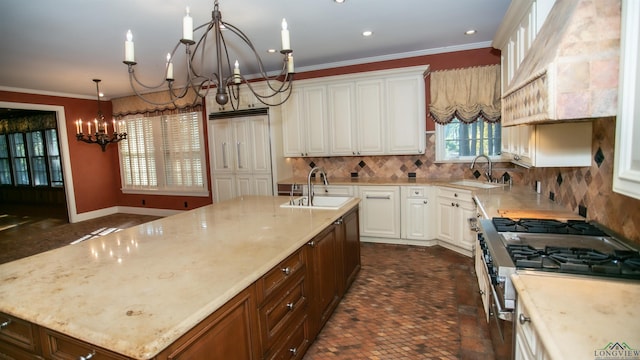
<point>101,135</point>
<point>226,77</point>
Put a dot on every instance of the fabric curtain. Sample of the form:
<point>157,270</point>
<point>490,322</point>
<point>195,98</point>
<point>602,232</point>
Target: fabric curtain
<point>132,105</point>
<point>466,94</point>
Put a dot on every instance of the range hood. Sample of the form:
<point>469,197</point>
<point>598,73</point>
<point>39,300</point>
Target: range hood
<point>571,70</point>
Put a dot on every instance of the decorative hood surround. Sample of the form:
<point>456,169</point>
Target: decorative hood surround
<point>571,70</point>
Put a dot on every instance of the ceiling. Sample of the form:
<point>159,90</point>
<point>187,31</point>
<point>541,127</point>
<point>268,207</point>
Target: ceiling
<point>58,47</point>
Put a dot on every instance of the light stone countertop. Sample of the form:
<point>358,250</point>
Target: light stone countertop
<point>138,290</point>
<point>576,317</point>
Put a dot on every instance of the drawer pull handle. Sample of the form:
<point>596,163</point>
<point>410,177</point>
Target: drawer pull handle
<point>388,197</point>
<point>293,351</point>
<point>311,243</point>
<point>88,356</point>
<point>5,324</point>
<point>290,306</point>
<point>523,319</point>
<point>286,271</point>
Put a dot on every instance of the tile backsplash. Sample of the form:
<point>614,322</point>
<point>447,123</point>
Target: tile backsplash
<point>588,188</point>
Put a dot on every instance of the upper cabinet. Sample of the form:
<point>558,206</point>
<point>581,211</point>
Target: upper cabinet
<point>626,173</point>
<point>373,113</point>
<point>245,98</point>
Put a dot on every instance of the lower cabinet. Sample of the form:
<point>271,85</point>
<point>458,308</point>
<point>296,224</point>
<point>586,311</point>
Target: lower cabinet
<point>229,333</point>
<point>277,317</point>
<point>527,341</point>
<point>455,210</point>
<point>323,261</point>
<point>418,208</point>
<point>380,211</point>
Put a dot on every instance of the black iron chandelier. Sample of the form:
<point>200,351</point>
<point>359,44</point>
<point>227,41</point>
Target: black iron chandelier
<point>101,135</point>
<point>227,77</point>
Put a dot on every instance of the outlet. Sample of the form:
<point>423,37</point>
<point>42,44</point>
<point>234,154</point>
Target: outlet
<point>582,211</point>
<point>412,175</point>
<point>354,174</point>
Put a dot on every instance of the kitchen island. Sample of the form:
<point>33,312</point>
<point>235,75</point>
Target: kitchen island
<point>137,291</point>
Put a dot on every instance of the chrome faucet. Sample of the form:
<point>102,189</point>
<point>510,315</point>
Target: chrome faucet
<point>489,173</point>
<point>323,175</point>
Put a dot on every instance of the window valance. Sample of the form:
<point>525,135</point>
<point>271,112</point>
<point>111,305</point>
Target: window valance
<point>41,120</point>
<point>131,105</point>
<point>466,94</point>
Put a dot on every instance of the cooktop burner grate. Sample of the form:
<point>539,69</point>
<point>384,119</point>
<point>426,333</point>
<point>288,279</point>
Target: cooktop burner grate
<point>573,227</point>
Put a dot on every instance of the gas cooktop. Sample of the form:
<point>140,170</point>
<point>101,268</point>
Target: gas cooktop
<point>575,227</point>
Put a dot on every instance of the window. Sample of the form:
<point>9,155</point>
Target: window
<point>31,158</point>
<point>164,154</point>
<point>461,141</point>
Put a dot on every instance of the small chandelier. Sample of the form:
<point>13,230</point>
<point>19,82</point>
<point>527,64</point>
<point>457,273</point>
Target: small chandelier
<point>101,135</point>
<point>227,77</point>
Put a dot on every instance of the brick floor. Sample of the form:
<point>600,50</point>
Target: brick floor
<point>408,302</point>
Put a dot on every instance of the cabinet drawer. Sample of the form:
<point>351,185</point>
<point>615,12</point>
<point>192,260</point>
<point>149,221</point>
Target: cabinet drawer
<point>277,314</point>
<point>294,345</point>
<point>277,276</point>
<point>457,194</point>
<point>20,333</point>
<point>58,346</point>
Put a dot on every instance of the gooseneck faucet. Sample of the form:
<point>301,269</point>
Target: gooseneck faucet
<point>489,173</point>
<point>323,175</point>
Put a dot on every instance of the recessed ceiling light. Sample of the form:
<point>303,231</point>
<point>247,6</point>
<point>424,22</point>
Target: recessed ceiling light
<point>470,32</point>
<point>367,33</point>
<point>339,1</point>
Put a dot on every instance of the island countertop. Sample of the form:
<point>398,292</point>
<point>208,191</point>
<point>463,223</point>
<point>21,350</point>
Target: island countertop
<point>138,290</point>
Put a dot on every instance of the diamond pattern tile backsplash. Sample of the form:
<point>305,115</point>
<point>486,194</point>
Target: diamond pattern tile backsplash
<point>587,187</point>
<point>591,187</point>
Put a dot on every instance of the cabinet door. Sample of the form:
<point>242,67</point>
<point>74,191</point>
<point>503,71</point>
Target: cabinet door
<point>260,150</point>
<point>224,187</point>
<point>341,115</point>
<point>262,185</point>
<point>380,211</point>
<point>446,219</point>
<point>221,144</point>
<point>484,284</point>
<point>405,113</point>
<point>322,258</point>
<point>416,211</point>
<point>370,117</point>
<point>230,333</point>
<point>293,135</point>
<point>350,248</point>
<point>526,143</point>
<point>242,146</point>
<point>467,211</point>
<point>315,115</point>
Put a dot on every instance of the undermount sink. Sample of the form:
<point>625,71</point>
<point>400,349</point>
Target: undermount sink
<point>319,202</point>
<point>477,184</point>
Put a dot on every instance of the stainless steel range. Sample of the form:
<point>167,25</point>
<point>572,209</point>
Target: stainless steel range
<point>573,247</point>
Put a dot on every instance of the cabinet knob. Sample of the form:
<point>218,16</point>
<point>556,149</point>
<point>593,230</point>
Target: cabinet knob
<point>455,195</point>
<point>523,319</point>
<point>457,205</point>
<point>481,292</point>
<point>425,202</point>
<point>88,356</point>
<point>311,243</point>
<point>453,204</point>
<point>290,306</point>
<point>5,324</point>
<point>293,351</point>
<point>286,270</point>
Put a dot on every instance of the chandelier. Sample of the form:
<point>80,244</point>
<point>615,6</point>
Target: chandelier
<point>227,78</point>
<point>101,135</point>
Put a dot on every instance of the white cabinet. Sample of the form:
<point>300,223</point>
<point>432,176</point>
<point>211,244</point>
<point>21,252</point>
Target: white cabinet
<point>240,157</point>
<point>626,173</point>
<point>406,115</point>
<point>373,113</point>
<point>243,99</point>
<point>527,340</point>
<point>304,123</point>
<point>484,283</point>
<point>418,212</point>
<point>380,211</point>
<point>518,29</point>
<point>455,210</point>
<point>548,145</point>
<point>355,115</point>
